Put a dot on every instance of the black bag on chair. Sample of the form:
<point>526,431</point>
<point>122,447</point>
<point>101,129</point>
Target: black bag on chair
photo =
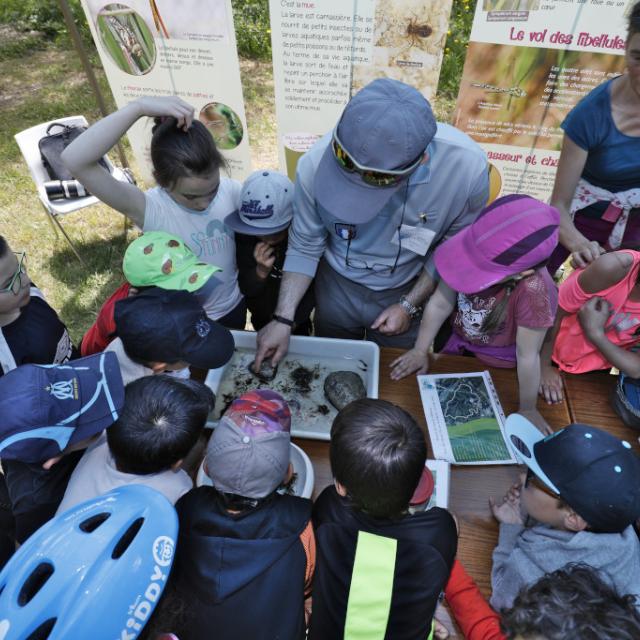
<point>53,144</point>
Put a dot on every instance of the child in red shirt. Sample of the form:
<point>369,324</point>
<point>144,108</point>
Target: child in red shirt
<point>597,323</point>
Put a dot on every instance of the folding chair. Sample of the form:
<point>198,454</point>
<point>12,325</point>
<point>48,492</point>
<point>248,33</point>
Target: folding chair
<point>28,143</point>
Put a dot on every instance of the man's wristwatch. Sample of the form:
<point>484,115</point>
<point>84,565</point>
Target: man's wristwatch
<point>283,320</point>
<point>410,308</point>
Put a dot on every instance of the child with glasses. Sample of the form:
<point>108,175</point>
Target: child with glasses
<point>582,491</point>
<point>30,330</point>
<point>494,272</point>
<point>30,333</point>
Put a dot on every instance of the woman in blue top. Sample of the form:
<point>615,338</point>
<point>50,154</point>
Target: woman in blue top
<point>600,165</point>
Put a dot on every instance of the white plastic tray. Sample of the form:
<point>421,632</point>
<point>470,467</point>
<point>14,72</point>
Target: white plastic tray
<point>356,355</point>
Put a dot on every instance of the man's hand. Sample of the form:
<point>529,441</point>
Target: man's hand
<point>508,511</point>
<point>593,317</point>
<point>550,384</point>
<point>413,361</point>
<point>393,321</point>
<point>264,256</point>
<point>272,342</point>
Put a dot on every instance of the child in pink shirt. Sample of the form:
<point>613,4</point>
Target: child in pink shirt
<point>597,323</point>
<point>495,270</point>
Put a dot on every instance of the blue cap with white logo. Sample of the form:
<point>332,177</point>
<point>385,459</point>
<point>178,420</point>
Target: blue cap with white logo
<point>266,205</point>
<point>46,408</point>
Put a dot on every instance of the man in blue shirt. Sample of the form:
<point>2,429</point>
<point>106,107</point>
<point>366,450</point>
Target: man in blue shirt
<point>373,199</point>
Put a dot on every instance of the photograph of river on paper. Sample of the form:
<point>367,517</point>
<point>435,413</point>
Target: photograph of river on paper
<point>465,418</point>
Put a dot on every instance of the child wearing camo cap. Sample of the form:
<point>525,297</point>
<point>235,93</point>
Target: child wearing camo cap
<point>246,553</point>
<point>155,259</point>
<point>261,224</point>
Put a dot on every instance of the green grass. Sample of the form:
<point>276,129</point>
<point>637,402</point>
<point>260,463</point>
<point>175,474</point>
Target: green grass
<point>38,85</point>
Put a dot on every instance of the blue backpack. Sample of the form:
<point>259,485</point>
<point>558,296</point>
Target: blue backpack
<point>626,400</point>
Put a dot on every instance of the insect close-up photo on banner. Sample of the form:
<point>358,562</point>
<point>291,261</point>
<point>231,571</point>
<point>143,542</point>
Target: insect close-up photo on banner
<point>127,39</point>
<point>408,43</point>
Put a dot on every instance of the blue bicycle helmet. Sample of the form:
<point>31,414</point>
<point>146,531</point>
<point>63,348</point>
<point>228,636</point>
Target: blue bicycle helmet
<point>95,571</point>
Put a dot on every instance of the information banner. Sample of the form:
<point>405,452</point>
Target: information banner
<point>186,48</point>
<point>324,51</point>
<point>544,57</point>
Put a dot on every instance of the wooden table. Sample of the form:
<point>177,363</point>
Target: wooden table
<point>470,486</point>
<point>588,397</point>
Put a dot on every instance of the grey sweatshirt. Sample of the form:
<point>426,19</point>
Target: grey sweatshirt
<point>524,555</point>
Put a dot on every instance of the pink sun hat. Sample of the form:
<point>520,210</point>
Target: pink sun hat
<point>512,234</point>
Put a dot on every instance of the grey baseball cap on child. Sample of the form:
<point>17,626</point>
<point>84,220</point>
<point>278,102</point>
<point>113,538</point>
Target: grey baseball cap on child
<point>248,454</point>
<point>266,205</point>
<point>385,126</point>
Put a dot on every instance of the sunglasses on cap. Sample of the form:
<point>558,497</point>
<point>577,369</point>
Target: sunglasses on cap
<point>538,484</point>
<point>369,175</point>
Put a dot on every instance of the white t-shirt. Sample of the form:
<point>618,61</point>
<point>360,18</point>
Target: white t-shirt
<point>205,233</point>
<point>96,474</point>
<point>130,370</point>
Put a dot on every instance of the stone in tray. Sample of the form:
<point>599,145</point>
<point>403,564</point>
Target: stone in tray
<point>343,387</point>
<point>267,371</point>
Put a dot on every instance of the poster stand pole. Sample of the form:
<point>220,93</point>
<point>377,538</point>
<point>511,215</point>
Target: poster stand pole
<point>88,69</point>
<point>77,41</point>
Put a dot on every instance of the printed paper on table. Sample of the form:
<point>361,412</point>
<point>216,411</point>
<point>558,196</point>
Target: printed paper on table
<point>465,418</point>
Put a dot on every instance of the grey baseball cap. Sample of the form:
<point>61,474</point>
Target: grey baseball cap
<point>385,126</point>
<point>266,205</point>
<point>248,454</point>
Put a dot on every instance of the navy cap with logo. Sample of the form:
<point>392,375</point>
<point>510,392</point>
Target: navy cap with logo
<point>159,325</point>
<point>266,205</point>
<point>46,408</point>
<point>387,125</point>
<point>595,473</point>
